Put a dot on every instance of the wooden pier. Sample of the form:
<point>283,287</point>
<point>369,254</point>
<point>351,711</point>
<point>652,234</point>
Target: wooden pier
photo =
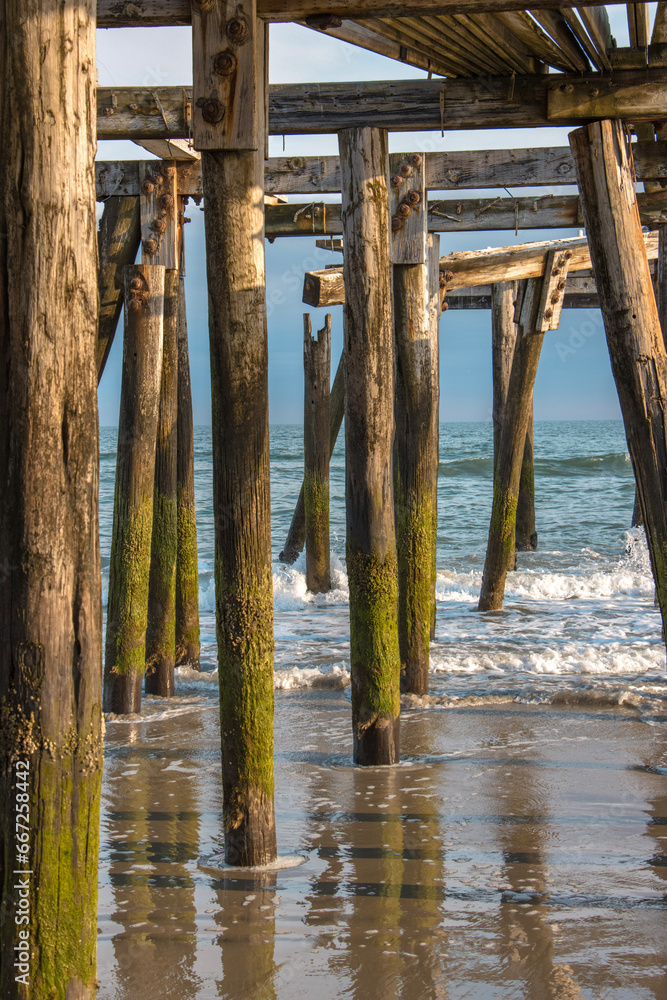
<point>492,64</point>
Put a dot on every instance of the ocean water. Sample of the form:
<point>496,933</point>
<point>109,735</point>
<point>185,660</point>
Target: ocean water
<point>519,849</point>
<point>579,620</point>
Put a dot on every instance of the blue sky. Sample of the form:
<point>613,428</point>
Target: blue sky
<point>574,379</point>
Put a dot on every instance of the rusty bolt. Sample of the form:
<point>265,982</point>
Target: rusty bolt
<point>448,275</point>
<point>238,29</point>
<point>405,169</point>
<point>135,304</point>
<point>561,286</point>
<point>202,4</point>
<point>567,254</point>
<point>166,201</point>
<point>548,313</point>
<point>225,63</point>
<point>150,246</point>
<point>594,91</point>
<point>413,197</point>
<point>555,297</point>
<point>396,223</point>
<point>147,187</point>
<point>108,111</point>
<point>556,272</point>
<point>443,281</point>
<point>159,225</point>
<point>396,180</point>
<point>566,88</point>
<point>404,210</point>
<point>416,160</point>
<point>445,306</point>
<point>136,283</point>
<point>167,170</point>
<point>212,111</point>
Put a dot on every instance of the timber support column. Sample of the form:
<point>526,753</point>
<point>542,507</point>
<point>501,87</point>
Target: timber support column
<point>369,434</point>
<point>161,246</point>
<point>416,406</point>
<point>187,573</point>
<point>229,128</point>
<point>632,322</point>
<point>50,587</point>
<point>118,240</point>
<point>317,391</point>
<point>296,536</point>
<point>504,336</point>
<point>129,567</point>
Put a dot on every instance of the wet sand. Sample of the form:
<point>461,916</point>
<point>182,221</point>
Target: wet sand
<point>519,851</point>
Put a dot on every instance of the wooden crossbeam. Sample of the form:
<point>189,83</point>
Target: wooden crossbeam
<point>473,267</point>
<point>153,13</point>
<point>403,105</point>
<point>485,168</point>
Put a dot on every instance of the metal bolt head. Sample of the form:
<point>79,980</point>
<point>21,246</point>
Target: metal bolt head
<point>567,254</point>
<point>166,201</point>
<point>150,246</point>
<point>396,180</point>
<point>202,5</point>
<point>159,225</point>
<point>555,297</point>
<point>212,111</point>
<point>413,197</point>
<point>396,223</point>
<point>225,63</point>
<point>548,313</point>
<point>147,187</point>
<point>444,307</point>
<point>404,210</point>
<point>566,88</point>
<point>561,285</point>
<point>238,29</point>
<point>135,304</point>
<point>136,283</point>
<point>594,91</point>
<point>448,276</point>
<point>443,281</point>
<point>416,160</point>
<point>405,169</point>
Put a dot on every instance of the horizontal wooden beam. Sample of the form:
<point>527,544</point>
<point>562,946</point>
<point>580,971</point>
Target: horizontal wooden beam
<point>472,267</point>
<point>157,13</point>
<point>466,169</point>
<point>402,105</point>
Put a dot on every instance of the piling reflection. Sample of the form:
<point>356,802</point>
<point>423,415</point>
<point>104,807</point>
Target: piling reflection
<point>247,922</point>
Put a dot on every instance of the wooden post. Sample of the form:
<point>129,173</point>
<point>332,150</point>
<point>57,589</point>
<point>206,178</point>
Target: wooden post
<point>436,311</point>
<point>129,567</point>
<point>161,623</point>
<point>317,372</point>
<point>118,241</point>
<point>369,432</point>
<point>296,536</point>
<point>416,406</point>
<point>231,134</point>
<point>504,335</point>
<point>50,579</point>
<point>632,322</point>
<point>502,532</point>
<point>187,574</point>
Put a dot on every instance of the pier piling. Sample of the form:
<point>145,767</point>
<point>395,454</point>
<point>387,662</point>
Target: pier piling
<point>500,552</point>
<point>187,573</point>
<point>296,536</point>
<point>631,319</point>
<point>416,410</point>
<point>317,377</point>
<point>369,433</point>
<point>50,575</point>
<point>232,147</point>
<point>118,240</point>
<point>129,568</point>
<point>161,624</point>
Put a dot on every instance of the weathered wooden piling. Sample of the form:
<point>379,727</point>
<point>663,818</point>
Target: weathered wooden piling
<point>369,426</point>
<point>230,133</point>
<point>317,391</point>
<point>415,478</point>
<point>632,322</point>
<point>129,567</point>
<point>187,573</point>
<point>50,579</point>
<point>296,536</point>
<point>161,623</point>
<point>502,532</point>
<point>118,240</point>
<point>504,335</point>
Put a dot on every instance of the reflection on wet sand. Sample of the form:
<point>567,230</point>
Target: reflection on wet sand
<point>517,851</point>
